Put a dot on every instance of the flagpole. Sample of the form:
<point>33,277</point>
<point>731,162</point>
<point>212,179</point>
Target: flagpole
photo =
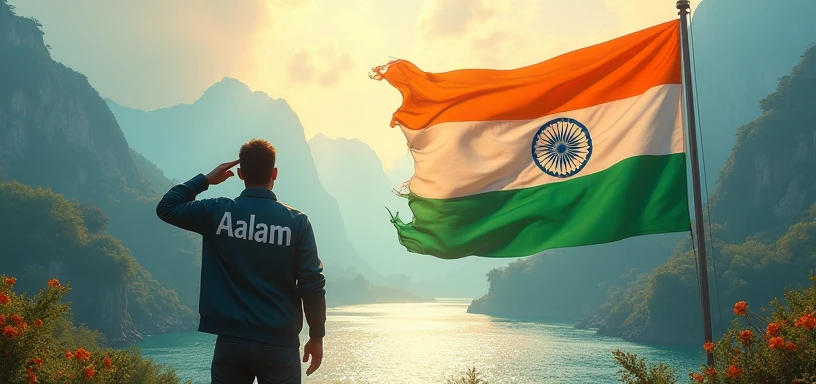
<point>684,7</point>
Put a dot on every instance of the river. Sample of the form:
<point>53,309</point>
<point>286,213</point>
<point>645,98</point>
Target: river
<point>428,342</point>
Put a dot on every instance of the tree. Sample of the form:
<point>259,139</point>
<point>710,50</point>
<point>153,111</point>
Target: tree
<point>96,221</point>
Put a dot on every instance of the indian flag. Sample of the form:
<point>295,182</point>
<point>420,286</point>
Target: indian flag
<point>585,148</point>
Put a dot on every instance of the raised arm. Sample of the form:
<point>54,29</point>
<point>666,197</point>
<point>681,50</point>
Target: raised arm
<point>311,286</point>
<point>179,207</point>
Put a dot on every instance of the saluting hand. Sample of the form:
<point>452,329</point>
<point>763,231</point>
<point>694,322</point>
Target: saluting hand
<point>221,172</point>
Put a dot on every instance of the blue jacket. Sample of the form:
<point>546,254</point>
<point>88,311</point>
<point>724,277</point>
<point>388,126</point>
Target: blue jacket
<point>259,263</point>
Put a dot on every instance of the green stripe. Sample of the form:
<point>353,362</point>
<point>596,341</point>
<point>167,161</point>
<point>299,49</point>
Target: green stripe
<point>638,196</point>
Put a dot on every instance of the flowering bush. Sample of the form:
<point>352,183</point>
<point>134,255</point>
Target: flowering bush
<point>36,344</point>
<point>777,347</point>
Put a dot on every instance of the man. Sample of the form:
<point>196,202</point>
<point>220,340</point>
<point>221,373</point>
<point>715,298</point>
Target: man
<point>259,272</point>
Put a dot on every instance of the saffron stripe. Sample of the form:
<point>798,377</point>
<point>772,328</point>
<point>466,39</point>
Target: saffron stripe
<point>613,70</point>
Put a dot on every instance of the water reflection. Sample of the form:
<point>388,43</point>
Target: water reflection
<point>425,343</point>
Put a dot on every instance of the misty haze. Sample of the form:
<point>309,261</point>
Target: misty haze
<point>438,191</point>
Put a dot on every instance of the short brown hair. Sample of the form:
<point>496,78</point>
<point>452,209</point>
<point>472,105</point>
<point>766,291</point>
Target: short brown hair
<point>257,158</point>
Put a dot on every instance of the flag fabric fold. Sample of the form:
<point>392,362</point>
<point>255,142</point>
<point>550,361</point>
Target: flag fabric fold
<point>585,148</point>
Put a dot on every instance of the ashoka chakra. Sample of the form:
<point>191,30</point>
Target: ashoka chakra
<point>562,147</point>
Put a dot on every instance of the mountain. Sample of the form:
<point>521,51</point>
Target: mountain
<point>152,173</point>
<point>187,139</point>
<point>763,214</point>
<point>352,173</point>
<point>57,133</point>
<point>741,49</point>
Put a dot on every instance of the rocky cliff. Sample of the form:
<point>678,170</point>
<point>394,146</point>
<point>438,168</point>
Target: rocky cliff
<point>56,132</point>
<point>50,114</point>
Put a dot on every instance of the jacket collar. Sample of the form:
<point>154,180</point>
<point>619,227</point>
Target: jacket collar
<point>259,192</point>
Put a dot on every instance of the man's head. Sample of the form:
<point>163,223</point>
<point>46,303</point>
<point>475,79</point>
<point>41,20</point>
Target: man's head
<point>257,164</point>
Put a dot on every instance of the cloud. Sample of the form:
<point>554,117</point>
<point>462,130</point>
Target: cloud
<point>324,68</point>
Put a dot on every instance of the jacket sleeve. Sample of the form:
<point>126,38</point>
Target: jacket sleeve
<point>179,207</point>
<point>310,281</point>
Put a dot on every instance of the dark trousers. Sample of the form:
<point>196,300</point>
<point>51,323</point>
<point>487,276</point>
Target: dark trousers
<point>240,361</point>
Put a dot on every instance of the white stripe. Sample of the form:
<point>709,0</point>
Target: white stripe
<point>466,158</point>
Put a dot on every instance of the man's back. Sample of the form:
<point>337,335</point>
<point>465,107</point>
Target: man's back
<point>260,270</point>
<point>253,253</point>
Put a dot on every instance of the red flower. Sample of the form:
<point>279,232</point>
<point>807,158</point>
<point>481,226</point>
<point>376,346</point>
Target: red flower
<point>89,372</point>
<point>82,354</point>
<point>10,281</point>
<point>746,336</point>
<point>107,361</point>
<point>36,361</point>
<point>698,377</point>
<point>776,343</point>
<point>740,308</point>
<point>16,319</point>
<point>773,329</point>
<point>10,332</point>
<point>733,372</point>
<point>711,371</point>
<point>2,319</point>
<point>32,378</point>
<point>38,323</point>
<point>807,321</point>
<point>790,346</point>
<point>54,283</point>
<point>708,346</point>
<point>4,299</point>
<point>68,355</point>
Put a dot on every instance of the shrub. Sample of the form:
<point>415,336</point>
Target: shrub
<point>39,344</point>
<point>637,371</point>
<point>471,376</point>
<point>777,346</point>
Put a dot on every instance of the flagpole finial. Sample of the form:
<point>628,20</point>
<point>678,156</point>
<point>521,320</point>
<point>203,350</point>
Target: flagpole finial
<point>684,6</point>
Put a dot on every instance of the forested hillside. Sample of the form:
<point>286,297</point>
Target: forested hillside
<point>764,224</point>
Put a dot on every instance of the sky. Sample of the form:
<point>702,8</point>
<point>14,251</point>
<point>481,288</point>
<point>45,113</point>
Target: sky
<point>317,54</point>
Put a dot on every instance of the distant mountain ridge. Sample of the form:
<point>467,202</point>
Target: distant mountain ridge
<point>187,139</point>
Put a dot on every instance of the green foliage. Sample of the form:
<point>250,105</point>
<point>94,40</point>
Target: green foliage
<point>637,371</point>
<point>43,234</point>
<point>95,220</point>
<point>777,346</point>
<point>471,376</point>
<point>665,307</point>
<point>39,344</point>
